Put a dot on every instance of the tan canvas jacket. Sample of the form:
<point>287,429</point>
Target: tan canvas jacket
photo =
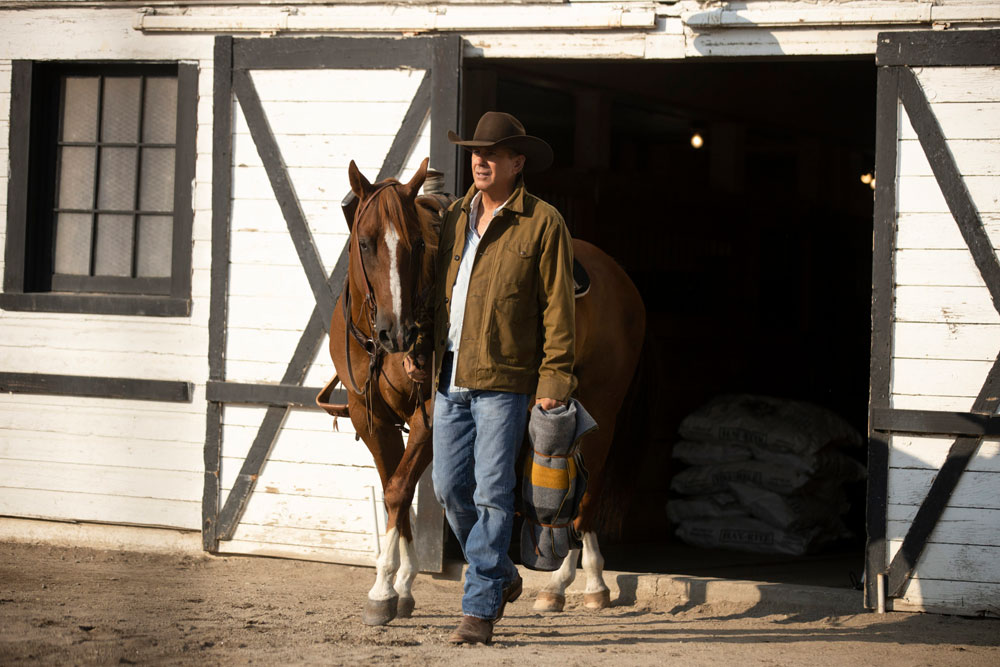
<point>519,327</point>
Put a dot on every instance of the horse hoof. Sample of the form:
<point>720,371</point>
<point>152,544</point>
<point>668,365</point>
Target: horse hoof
<point>404,609</point>
<point>598,600</point>
<point>379,612</point>
<point>546,601</point>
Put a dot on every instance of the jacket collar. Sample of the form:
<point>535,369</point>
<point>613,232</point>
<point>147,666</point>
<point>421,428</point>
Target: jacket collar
<point>515,204</point>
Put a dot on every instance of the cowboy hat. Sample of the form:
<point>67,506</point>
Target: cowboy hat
<point>496,128</point>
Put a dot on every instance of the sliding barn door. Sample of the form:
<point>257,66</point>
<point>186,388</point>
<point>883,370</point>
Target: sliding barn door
<point>934,495</point>
<point>290,114</point>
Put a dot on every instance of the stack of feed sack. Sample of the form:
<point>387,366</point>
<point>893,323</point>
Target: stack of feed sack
<point>765,475</point>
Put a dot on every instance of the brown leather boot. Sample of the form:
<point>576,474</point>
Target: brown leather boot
<point>472,630</point>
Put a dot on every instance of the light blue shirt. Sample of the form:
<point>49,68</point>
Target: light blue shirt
<point>460,291</point>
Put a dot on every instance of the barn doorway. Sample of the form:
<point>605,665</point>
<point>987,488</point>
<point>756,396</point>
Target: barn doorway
<point>737,197</point>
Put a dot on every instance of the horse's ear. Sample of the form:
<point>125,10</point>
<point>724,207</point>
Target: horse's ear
<point>411,189</point>
<point>359,184</point>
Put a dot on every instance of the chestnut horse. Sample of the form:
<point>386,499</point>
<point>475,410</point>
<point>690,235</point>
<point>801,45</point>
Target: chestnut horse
<point>391,257</point>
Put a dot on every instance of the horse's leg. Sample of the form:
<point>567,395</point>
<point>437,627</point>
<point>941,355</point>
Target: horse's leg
<point>399,494</point>
<point>596,595</point>
<point>405,575</point>
<point>386,445</point>
<point>553,596</point>
<point>595,453</point>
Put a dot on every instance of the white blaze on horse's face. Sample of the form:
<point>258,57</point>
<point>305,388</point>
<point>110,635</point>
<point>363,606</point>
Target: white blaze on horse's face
<point>395,287</point>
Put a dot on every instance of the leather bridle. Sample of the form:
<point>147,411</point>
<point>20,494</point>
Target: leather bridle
<point>375,352</point>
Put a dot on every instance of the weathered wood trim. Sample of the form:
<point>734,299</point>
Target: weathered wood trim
<point>933,422</point>
<point>222,184</point>
<point>330,52</point>
<point>98,304</point>
<point>19,147</point>
<point>210,494</point>
<point>133,389</point>
<point>938,48</point>
<point>278,395</point>
<point>184,168</point>
<point>295,219</point>
<point>884,239</point>
<point>446,102</point>
<point>966,216</point>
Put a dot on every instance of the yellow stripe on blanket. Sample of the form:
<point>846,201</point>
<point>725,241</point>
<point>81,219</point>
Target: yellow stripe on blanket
<point>552,478</point>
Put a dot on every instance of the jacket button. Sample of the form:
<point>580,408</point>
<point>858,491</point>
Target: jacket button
<point>457,258</point>
<point>523,253</point>
<point>446,299</point>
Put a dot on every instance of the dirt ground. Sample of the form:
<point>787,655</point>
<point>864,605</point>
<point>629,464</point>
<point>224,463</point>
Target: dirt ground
<point>83,606</point>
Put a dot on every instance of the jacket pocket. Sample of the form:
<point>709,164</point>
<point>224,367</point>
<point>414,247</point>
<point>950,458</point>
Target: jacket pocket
<point>514,334</point>
<point>518,271</point>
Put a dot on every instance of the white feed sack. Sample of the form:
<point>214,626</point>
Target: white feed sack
<point>769,423</point>
<point>765,475</point>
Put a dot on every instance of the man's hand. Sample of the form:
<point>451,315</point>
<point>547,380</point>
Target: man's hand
<point>415,368</point>
<point>549,403</point>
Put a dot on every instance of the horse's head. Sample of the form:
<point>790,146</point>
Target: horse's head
<point>388,253</point>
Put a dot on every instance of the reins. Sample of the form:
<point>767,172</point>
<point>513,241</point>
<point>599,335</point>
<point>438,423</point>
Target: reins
<point>366,341</point>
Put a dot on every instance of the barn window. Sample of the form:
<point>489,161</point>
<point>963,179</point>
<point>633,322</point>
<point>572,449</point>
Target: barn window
<point>99,204</point>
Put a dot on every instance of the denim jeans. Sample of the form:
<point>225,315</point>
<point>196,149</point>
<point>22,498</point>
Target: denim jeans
<point>477,435</point>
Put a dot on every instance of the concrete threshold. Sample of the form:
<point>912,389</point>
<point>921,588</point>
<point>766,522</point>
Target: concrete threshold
<point>686,591</point>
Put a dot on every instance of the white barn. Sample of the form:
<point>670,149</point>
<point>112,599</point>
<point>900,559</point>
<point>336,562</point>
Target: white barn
<point>173,244</point>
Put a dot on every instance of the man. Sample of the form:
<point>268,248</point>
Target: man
<point>503,332</point>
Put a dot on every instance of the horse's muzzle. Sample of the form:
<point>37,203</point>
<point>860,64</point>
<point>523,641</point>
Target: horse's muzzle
<point>398,339</point>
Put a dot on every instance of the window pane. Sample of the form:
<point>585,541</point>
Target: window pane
<point>117,187</point>
<point>156,190</point>
<point>155,246</point>
<point>120,109</point>
<point>114,246</point>
<point>80,108</point>
<point>73,243</point>
<point>76,177</point>
<point>159,122</point>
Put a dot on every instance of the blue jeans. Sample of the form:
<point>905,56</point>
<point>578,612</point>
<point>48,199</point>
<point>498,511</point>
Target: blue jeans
<point>477,435</point>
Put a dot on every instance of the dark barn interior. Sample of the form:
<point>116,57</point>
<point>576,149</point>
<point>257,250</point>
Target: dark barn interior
<point>752,251</point>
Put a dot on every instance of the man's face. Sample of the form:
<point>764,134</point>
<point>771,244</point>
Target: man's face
<point>495,169</point>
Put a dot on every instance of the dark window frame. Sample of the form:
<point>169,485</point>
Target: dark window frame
<point>28,276</point>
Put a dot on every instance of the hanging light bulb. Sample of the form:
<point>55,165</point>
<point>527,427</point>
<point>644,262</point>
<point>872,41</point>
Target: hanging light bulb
<point>867,178</point>
<point>696,140</point>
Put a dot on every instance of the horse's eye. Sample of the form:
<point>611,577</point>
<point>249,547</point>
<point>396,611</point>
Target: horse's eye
<point>363,244</point>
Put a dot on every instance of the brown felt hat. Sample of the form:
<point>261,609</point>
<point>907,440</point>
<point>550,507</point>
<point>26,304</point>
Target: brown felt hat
<point>496,128</point>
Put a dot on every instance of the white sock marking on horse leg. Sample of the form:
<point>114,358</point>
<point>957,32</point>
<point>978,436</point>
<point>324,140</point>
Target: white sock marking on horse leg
<point>407,569</point>
<point>386,567</point>
<point>564,576</point>
<point>593,564</point>
<point>395,290</point>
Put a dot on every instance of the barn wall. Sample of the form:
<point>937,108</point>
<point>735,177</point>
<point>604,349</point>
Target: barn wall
<point>92,459</point>
<point>946,334</point>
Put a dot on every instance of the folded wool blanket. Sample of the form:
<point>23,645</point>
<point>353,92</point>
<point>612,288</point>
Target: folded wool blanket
<point>554,483</point>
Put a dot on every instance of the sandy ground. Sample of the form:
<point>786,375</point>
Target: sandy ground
<point>82,606</point>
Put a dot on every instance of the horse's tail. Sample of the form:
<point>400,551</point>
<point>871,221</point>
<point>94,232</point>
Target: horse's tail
<point>629,446</point>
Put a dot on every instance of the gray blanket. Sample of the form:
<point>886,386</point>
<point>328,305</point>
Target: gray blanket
<point>554,483</point>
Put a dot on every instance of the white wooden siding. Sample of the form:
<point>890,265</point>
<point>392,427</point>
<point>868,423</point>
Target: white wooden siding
<point>132,462</point>
<point>946,335</point>
<point>319,495</point>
